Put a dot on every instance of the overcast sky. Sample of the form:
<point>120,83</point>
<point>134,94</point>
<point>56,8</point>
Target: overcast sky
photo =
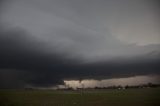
<point>50,40</point>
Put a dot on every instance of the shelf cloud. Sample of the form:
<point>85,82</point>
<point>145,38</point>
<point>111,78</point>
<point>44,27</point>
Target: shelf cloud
<point>43,42</point>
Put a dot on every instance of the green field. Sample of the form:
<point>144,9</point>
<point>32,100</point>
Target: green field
<point>129,97</point>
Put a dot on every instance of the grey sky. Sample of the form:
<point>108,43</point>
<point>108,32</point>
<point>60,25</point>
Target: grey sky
<point>43,42</point>
<point>92,30</point>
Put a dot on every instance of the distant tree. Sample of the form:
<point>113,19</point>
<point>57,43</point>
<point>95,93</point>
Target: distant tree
<point>119,87</point>
<point>150,85</point>
<point>126,87</point>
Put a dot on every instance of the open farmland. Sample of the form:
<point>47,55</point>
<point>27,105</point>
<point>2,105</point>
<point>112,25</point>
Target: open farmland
<point>129,97</point>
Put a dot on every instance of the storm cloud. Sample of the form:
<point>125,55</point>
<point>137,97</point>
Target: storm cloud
<point>43,42</point>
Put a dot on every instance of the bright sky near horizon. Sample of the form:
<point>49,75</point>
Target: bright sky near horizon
<point>43,42</point>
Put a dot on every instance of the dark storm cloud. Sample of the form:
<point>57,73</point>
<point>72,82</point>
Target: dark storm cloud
<point>43,42</point>
<point>23,64</point>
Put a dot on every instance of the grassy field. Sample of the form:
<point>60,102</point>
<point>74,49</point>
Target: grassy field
<point>129,97</point>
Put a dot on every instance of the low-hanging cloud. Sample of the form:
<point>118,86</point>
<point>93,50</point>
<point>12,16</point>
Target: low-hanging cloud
<point>48,41</point>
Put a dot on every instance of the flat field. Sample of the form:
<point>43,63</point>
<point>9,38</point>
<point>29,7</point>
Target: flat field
<point>128,97</point>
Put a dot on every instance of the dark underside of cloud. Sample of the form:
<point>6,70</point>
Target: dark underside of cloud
<point>23,63</point>
<point>43,42</point>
